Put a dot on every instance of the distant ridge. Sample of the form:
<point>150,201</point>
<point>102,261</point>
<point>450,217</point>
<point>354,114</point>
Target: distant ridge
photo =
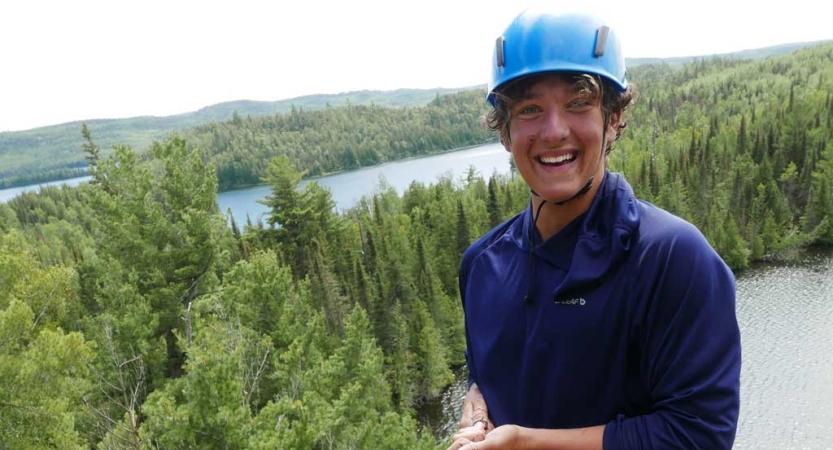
<point>53,152</point>
<point>756,53</point>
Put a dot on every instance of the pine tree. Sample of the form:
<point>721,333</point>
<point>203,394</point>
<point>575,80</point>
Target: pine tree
<point>463,240</point>
<point>495,217</point>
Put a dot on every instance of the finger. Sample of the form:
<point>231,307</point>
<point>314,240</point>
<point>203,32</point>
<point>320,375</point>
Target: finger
<point>475,433</point>
<point>477,428</point>
<point>458,444</point>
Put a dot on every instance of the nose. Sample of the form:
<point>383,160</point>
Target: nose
<point>554,127</point>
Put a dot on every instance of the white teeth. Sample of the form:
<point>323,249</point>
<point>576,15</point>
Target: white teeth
<point>557,159</point>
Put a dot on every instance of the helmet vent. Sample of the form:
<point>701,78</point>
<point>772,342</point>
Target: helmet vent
<point>601,41</point>
<point>501,60</point>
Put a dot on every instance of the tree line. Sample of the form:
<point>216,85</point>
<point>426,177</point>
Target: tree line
<point>51,153</point>
<point>338,139</point>
<point>156,321</point>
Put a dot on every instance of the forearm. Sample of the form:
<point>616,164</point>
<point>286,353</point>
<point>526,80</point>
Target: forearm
<point>673,431</point>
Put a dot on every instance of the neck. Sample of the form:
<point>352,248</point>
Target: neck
<point>553,218</point>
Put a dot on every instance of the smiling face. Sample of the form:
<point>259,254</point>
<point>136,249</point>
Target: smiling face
<point>555,134</point>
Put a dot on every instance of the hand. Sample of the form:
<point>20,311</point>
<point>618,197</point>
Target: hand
<point>475,410</point>
<point>474,433</point>
<point>505,437</point>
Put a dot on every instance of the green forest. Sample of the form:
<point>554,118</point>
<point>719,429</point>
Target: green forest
<point>134,314</point>
<point>337,139</point>
<point>51,153</point>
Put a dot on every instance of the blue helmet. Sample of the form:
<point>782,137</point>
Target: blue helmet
<point>539,41</point>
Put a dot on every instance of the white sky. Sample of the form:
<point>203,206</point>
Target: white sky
<point>69,60</point>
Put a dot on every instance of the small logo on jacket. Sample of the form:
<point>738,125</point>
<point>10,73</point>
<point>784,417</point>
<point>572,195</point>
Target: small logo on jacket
<point>572,301</point>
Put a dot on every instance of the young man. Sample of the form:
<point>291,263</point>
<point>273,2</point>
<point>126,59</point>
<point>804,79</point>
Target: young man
<point>593,319</point>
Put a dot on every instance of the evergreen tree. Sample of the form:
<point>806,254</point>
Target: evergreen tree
<point>463,239</point>
<point>495,216</point>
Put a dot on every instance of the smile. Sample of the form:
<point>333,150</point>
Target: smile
<point>557,160</point>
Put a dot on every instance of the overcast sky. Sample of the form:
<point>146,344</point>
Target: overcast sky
<point>62,61</point>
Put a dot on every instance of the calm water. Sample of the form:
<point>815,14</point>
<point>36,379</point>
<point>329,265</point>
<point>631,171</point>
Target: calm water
<point>347,188</point>
<point>8,194</point>
<point>785,313</point>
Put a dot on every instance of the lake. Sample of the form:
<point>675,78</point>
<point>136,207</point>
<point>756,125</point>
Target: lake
<point>10,193</point>
<point>347,188</point>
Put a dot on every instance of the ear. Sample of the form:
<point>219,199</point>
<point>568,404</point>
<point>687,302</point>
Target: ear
<point>613,126</point>
<point>506,141</point>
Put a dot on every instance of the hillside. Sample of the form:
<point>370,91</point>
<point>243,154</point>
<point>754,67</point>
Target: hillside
<point>52,152</point>
<point>757,53</point>
<point>332,140</point>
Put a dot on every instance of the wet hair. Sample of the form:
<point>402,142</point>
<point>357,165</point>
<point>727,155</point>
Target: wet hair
<point>593,86</point>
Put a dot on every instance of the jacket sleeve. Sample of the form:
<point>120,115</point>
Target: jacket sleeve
<point>462,280</point>
<point>691,354</point>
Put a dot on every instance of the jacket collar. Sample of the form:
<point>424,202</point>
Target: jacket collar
<point>594,242</point>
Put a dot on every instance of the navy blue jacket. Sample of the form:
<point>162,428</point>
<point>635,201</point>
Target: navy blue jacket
<point>630,323</point>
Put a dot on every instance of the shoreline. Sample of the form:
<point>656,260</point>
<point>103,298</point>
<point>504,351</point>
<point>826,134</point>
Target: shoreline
<point>328,174</point>
<point>68,181</point>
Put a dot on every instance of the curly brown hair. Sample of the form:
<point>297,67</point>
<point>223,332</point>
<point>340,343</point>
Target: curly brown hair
<point>593,85</point>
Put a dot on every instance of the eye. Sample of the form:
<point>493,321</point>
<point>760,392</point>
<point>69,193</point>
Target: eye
<point>579,103</point>
<point>529,109</point>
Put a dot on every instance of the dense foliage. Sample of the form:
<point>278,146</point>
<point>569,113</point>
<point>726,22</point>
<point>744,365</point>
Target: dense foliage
<point>741,149</point>
<point>338,139</point>
<point>133,316</point>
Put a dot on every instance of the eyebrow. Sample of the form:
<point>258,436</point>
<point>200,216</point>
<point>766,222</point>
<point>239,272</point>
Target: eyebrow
<point>526,95</point>
<point>577,89</point>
